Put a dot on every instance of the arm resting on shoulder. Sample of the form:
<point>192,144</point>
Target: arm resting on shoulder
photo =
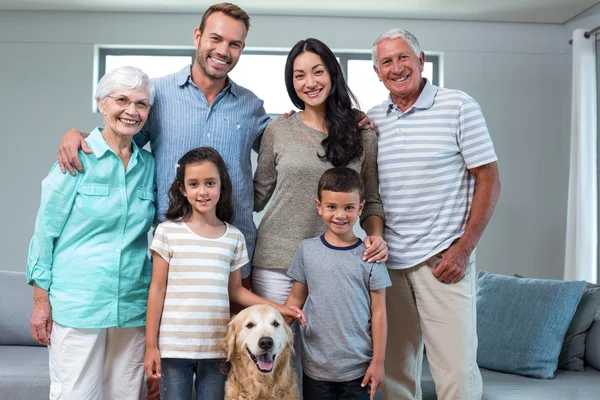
<point>242,296</point>
<point>68,151</point>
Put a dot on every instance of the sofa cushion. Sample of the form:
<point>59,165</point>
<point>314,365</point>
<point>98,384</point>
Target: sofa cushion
<point>24,373</point>
<point>572,355</point>
<point>592,346</point>
<point>566,385</point>
<point>521,322</point>
<point>16,304</point>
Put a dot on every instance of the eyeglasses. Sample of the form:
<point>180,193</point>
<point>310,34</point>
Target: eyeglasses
<point>124,101</point>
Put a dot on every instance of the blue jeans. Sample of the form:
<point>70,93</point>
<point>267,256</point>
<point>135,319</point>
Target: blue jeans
<point>177,379</point>
<point>323,390</point>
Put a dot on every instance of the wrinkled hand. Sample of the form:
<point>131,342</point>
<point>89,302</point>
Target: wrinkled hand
<point>293,312</point>
<point>453,265</point>
<point>152,362</point>
<point>363,121</point>
<point>374,378</point>
<point>68,151</point>
<point>41,322</point>
<point>377,249</point>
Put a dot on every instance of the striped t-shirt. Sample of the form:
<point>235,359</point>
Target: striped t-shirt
<point>196,310</point>
<point>424,159</point>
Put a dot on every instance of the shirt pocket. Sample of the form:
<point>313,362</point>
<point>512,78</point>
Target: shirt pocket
<point>146,203</point>
<point>92,200</point>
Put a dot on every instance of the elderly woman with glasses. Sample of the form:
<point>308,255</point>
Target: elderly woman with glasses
<point>88,262</point>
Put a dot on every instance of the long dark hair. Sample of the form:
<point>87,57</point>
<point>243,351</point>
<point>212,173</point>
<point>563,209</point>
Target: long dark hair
<point>344,140</point>
<point>179,206</point>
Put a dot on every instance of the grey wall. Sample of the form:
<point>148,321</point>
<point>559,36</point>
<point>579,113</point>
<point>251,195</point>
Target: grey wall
<point>518,72</point>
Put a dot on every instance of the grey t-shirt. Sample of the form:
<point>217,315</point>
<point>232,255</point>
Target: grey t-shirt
<point>337,342</point>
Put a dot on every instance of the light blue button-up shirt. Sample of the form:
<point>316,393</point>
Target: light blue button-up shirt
<point>90,245</point>
<point>181,120</point>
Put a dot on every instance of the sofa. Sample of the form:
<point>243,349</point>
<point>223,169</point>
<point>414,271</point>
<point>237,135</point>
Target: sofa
<point>568,373</point>
<point>24,363</point>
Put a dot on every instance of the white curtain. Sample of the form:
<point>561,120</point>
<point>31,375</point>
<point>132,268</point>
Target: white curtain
<point>581,255</point>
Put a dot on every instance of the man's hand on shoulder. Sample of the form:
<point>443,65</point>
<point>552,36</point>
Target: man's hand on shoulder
<point>68,151</point>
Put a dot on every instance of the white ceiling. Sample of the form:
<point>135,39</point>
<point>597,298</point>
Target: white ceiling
<point>542,11</point>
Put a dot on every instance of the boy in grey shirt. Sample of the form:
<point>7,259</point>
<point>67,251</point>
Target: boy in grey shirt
<point>343,298</point>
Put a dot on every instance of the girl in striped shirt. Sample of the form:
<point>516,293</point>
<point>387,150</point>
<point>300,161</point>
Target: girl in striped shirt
<point>197,256</point>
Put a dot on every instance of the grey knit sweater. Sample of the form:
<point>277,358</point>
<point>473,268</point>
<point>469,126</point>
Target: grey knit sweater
<point>288,171</point>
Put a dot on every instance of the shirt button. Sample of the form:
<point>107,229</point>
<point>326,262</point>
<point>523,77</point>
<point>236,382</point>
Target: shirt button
<point>208,134</point>
<point>118,251</point>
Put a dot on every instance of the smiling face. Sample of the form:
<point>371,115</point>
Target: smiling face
<point>260,335</point>
<point>202,187</point>
<point>312,81</point>
<point>123,120</point>
<point>400,69</point>
<point>339,211</point>
<point>219,46</point>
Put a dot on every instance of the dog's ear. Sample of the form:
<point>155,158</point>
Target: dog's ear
<point>290,338</point>
<point>229,342</point>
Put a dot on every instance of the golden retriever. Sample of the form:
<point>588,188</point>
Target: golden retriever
<point>259,346</point>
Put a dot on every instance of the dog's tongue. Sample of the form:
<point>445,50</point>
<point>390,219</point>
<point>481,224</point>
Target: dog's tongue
<point>265,361</point>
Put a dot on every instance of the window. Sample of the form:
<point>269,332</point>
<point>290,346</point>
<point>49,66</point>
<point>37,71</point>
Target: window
<point>262,71</point>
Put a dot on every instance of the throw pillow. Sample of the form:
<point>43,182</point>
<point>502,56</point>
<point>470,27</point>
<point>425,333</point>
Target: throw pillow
<point>572,355</point>
<point>521,322</point>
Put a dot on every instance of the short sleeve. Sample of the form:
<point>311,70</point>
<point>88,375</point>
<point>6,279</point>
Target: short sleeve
<point>160,243</point>
<point>379,279</point>
<point>240,254</point>
<point>296,269</point>
<point>473,137</point>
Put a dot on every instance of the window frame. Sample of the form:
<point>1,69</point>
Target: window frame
<point>344,56</point>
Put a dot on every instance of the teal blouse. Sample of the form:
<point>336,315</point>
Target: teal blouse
<point>90,244</point>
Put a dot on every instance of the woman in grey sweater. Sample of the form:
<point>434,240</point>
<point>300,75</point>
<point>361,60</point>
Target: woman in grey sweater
<point>294,153</point>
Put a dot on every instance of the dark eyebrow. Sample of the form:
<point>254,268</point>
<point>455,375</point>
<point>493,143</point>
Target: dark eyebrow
<point>318,65</point>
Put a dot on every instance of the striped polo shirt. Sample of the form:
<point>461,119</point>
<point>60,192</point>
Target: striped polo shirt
<point>196,309</point>
<point>424,159</point>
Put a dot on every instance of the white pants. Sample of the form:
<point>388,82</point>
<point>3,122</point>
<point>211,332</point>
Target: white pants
<point>96,364</point>
<point>275,285</point>
<point>420,310</point>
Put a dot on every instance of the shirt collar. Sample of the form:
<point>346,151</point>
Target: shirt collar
<point>184,76</point>
<point>424,102</point>
<point>100,147</point>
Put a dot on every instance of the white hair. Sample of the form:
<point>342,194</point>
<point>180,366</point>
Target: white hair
<point>124,78</point>
<point>396,33</point>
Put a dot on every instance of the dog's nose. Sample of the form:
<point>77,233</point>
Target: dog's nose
<point>265,343</point>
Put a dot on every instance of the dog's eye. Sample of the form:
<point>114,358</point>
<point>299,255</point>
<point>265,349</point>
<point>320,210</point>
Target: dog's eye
<point>249,325</point>
<point>275,324</point>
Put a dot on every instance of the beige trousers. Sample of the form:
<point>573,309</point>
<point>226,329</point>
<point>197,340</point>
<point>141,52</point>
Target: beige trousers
<point>96,364</point>
<point>422,310</point>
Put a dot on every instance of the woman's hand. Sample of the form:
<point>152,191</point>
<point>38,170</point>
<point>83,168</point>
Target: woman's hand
<point>41,321</point>
<point>292,312</point>
<point>377,249</point>
<point>68,151</point>
<point>152,362</point>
